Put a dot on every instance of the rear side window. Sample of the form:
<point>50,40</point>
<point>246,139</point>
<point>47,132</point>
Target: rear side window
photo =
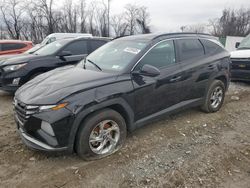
<point>211,47</point>
<point>189,49</point>
<point>94,44</point>
<point>12,46</point>
<point>162,55</point>
<point>77,48</point>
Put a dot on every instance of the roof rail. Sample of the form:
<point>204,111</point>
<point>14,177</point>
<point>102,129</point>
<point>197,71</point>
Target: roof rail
<point>182,33</point>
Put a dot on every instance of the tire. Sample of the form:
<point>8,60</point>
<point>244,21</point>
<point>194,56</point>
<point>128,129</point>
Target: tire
<point>210,106</point>
<point>92,127</point>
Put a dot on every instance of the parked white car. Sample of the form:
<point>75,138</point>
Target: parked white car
<point>241,61</point>
<point>57,36</point>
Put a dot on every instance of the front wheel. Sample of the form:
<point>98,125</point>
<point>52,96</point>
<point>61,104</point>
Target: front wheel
<point>101,134</point>
<point>214,97</point>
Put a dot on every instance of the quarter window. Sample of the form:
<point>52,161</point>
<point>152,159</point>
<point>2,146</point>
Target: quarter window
<point>211,47</point>
<point>77,48</point>
<point>189,49</point>
<point>160,56</point>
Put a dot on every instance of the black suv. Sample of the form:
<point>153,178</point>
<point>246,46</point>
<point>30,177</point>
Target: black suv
<point>16,71</point>
<point>118,88</point>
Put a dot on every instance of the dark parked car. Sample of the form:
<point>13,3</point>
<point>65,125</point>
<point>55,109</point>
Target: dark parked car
<point>16,71</point>
<point>118,88</point>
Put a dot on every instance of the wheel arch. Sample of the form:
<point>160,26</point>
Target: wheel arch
<point>33,72</point>
<point>224,79</point>
<point>119,105</point>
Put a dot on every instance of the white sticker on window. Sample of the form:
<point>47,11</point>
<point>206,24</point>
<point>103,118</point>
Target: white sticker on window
<point>132,50</point>
<point>115,67</point>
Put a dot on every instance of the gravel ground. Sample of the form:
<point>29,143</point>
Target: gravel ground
<point>189,149</point>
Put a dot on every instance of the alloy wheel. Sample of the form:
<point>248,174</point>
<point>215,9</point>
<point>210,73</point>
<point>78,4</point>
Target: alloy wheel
<point>104,137</point>
<point>216,97</point>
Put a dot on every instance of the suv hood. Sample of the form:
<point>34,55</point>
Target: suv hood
<point>54,86</point>
<point>24,58</point>
<point>240,54</point>
<point>5,57</point>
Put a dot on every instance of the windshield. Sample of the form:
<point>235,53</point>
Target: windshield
<point>51,48</point>
<point>48,40</point>
<point>245,44</point>
<point>33,49</point>
<point>115,55</point>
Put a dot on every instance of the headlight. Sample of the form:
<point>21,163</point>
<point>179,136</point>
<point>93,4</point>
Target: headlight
<point>52,107</point>
<point>13,67</point>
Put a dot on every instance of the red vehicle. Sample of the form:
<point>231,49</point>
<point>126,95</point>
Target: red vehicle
<point>14,46</point>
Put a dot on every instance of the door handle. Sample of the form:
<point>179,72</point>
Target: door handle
<point>175,79</point>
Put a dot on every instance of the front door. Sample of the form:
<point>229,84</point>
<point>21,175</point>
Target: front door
<point>78,49</point>
<point>153,94</point>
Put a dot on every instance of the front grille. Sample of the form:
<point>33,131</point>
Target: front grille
<point>23,111</point>
<point>242,64</point>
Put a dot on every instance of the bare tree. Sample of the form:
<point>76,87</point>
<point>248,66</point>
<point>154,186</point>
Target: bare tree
<point>131,15</point>
<point>45,6</point>
<point>195,28</point>
<point>101,18</point>
<point>35,19</point>
<point>12,13</point>
<point>69,17</point>
<point>83,16</point>
<point>232,22</point>
<point>118,25</point>
<point>143,19</point>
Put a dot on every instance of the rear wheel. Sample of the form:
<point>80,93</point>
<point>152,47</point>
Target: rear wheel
<point>215,97</point>
<point>101,134</point>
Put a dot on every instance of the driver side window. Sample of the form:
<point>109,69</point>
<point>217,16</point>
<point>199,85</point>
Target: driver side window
<point>77,48</point>
<point>162,55</point>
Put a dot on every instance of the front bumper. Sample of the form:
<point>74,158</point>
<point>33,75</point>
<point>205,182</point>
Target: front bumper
<point>6,84</point>
<point>241,75</point>
<point>36,144</point>
<point>35,137</point>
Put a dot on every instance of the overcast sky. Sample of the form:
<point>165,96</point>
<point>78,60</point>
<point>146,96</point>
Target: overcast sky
<point>170,15</point>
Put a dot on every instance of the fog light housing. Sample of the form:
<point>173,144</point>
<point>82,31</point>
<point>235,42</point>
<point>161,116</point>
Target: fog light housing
<point>46,127</point>
<point>16,81</point>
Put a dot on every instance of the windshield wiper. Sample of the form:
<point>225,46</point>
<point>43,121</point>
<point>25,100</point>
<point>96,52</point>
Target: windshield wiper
<point>92,64</point>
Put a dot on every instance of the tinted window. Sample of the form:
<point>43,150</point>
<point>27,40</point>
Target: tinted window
<point>160,56</point>
<point>94,44</point>
<point>190,48</point>
<point>210,46</point>
<point>77,48</point>
<point>12,46</point>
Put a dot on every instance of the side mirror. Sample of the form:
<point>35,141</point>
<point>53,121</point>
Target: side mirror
<point>237,44</point>
<point>64,54</point>
<point>149,70</point>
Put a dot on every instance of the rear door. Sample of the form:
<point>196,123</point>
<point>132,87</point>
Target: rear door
<point>78,49</point>
<point>153,94</point>
<point>195,66</point>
